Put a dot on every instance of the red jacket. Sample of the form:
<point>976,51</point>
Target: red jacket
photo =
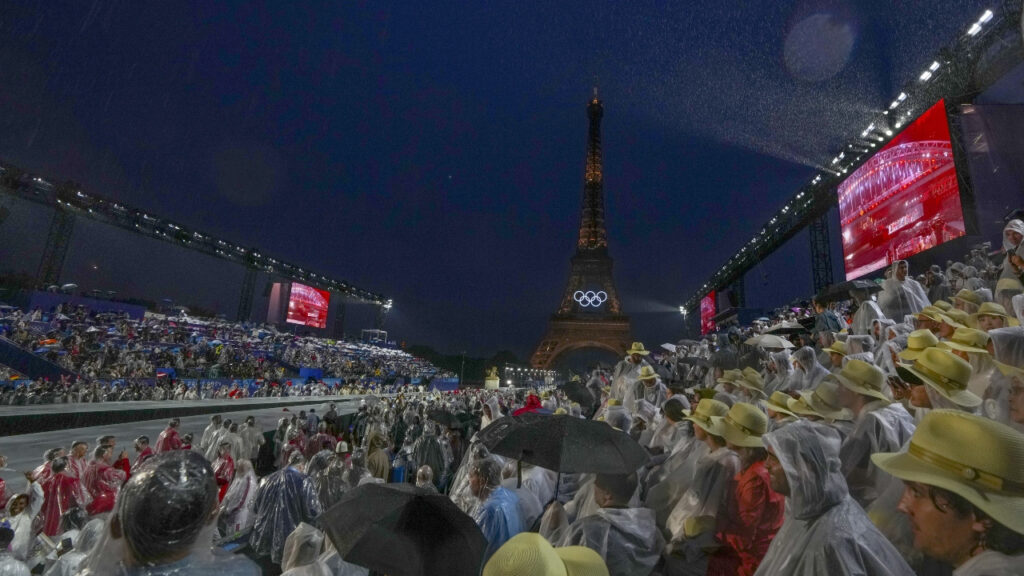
<point>753,516</point>
<point>532,405</point>
<point>223,473</point>
<point>61,492</point>
<point>168,440</point>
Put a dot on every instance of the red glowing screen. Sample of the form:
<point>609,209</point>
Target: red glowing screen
<point>707,314</point>
<point>904,200</point>
<point>308,306</point>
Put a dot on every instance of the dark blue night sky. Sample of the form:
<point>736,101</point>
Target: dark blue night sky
<point>434,151</point>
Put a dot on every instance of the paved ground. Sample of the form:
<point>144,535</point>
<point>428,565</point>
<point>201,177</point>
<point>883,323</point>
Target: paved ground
<point>25,451</point>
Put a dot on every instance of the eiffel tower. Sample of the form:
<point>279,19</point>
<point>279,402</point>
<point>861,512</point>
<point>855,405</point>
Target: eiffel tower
<point>590,315</point>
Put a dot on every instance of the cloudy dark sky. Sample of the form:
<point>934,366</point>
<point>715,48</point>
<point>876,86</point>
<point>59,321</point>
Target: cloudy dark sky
<point>434,151</point>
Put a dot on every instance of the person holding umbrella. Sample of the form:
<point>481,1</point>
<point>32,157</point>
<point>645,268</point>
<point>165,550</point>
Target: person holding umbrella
<point>627,538</point>
<point>497,513</point>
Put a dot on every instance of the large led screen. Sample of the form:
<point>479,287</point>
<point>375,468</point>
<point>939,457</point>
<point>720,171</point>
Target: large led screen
<point>308,306</point>
<point>707,314</point>
<point>904,200</point>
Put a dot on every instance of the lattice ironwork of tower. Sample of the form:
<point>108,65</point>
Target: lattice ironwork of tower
<point>590,314</point>
<point>58,241</point>
<point>821,256</point>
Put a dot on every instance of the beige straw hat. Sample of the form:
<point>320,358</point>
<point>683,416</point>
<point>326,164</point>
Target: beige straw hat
<point>862,378</point>
<point>944,452</point>
<point>967,340</point>
<point>743,425</point>
<point>917,341</point>
<point>945,372</point>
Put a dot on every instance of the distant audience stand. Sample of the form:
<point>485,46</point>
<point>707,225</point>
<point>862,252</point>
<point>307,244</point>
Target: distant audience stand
<point>118,358</point>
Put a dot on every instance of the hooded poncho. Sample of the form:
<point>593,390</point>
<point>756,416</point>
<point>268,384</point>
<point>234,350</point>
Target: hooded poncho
<point>825,531</point>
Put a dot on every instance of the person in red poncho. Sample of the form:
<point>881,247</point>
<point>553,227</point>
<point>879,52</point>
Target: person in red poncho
<point>145,453</point>
<point>223,469</point>
<point>754,512</point>
<point>103,481</point>
<point>532,405</point>
<point>169,439</point>
<point>61,492</point>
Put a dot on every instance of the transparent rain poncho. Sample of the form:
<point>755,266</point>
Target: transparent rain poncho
<point>706,496</point>
<point>498,515</point>
<point>783,377</point>
<point>302,552</point>
<point>825,531</point>
<point>236,514</point>
<point>10,566</point>
<point>667,483</point>
<point>83,543</point>
<point>283,500</point>
<point>164,510</point>
<point>810,372</point>
<point>880,427</point>
<point>627,539</point>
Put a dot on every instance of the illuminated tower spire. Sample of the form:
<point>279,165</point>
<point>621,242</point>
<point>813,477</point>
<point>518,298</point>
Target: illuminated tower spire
<point>593,236</point>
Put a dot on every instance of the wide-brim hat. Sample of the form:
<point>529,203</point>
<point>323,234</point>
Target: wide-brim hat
<point>837,347</point>
<point>1010,371</point>
<point>942,305</point>
<point>707,409</point>
<point>823,402</point>
<point>637,348</point>
<point>994,309</point>
<point>529,553</point>
<point>1009,284</point>
<point>955,320</point>
<point>944,452</point>
<point>918,341</point>
<point>945,372</point>
<point>743,425</point>
<point>778,402</point>
<point>932,313</point>
<point>647,373</point>
<point>967,340</point>
<point>862,378</point>
<point>730,376</point>
<point>968,296</point>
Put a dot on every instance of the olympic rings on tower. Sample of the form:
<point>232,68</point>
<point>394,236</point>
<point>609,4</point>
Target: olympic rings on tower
<point>590,298</point>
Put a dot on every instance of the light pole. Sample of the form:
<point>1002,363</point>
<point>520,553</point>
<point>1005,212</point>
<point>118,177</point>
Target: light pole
<point>462,370</point>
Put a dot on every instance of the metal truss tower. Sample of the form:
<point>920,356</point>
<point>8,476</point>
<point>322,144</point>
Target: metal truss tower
<point>821,255</point>
<point>58,241</point>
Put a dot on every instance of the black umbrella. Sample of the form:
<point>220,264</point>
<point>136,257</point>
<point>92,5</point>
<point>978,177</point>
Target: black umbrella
<point>841,291</point>
<point>579,393</point>
<point>444,418</point>
<point>401,530</point>
<point>564,443</point>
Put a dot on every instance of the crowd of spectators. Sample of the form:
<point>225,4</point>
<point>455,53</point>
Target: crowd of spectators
<point>114,357</point>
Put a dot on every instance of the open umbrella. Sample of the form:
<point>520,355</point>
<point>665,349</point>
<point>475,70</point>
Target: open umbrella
<point>769,341</point>
<point>786,327</point>
<point>401,530</point>
<point>564,443</point>
<point>841,291</point>
<point>578,393</point>
<point>444,418</point>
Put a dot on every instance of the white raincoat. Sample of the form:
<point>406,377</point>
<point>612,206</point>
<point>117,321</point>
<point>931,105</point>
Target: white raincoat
<point>825,531</point>
<point>897,299</point>
<point>626,538</point>
<point>880,427</point>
